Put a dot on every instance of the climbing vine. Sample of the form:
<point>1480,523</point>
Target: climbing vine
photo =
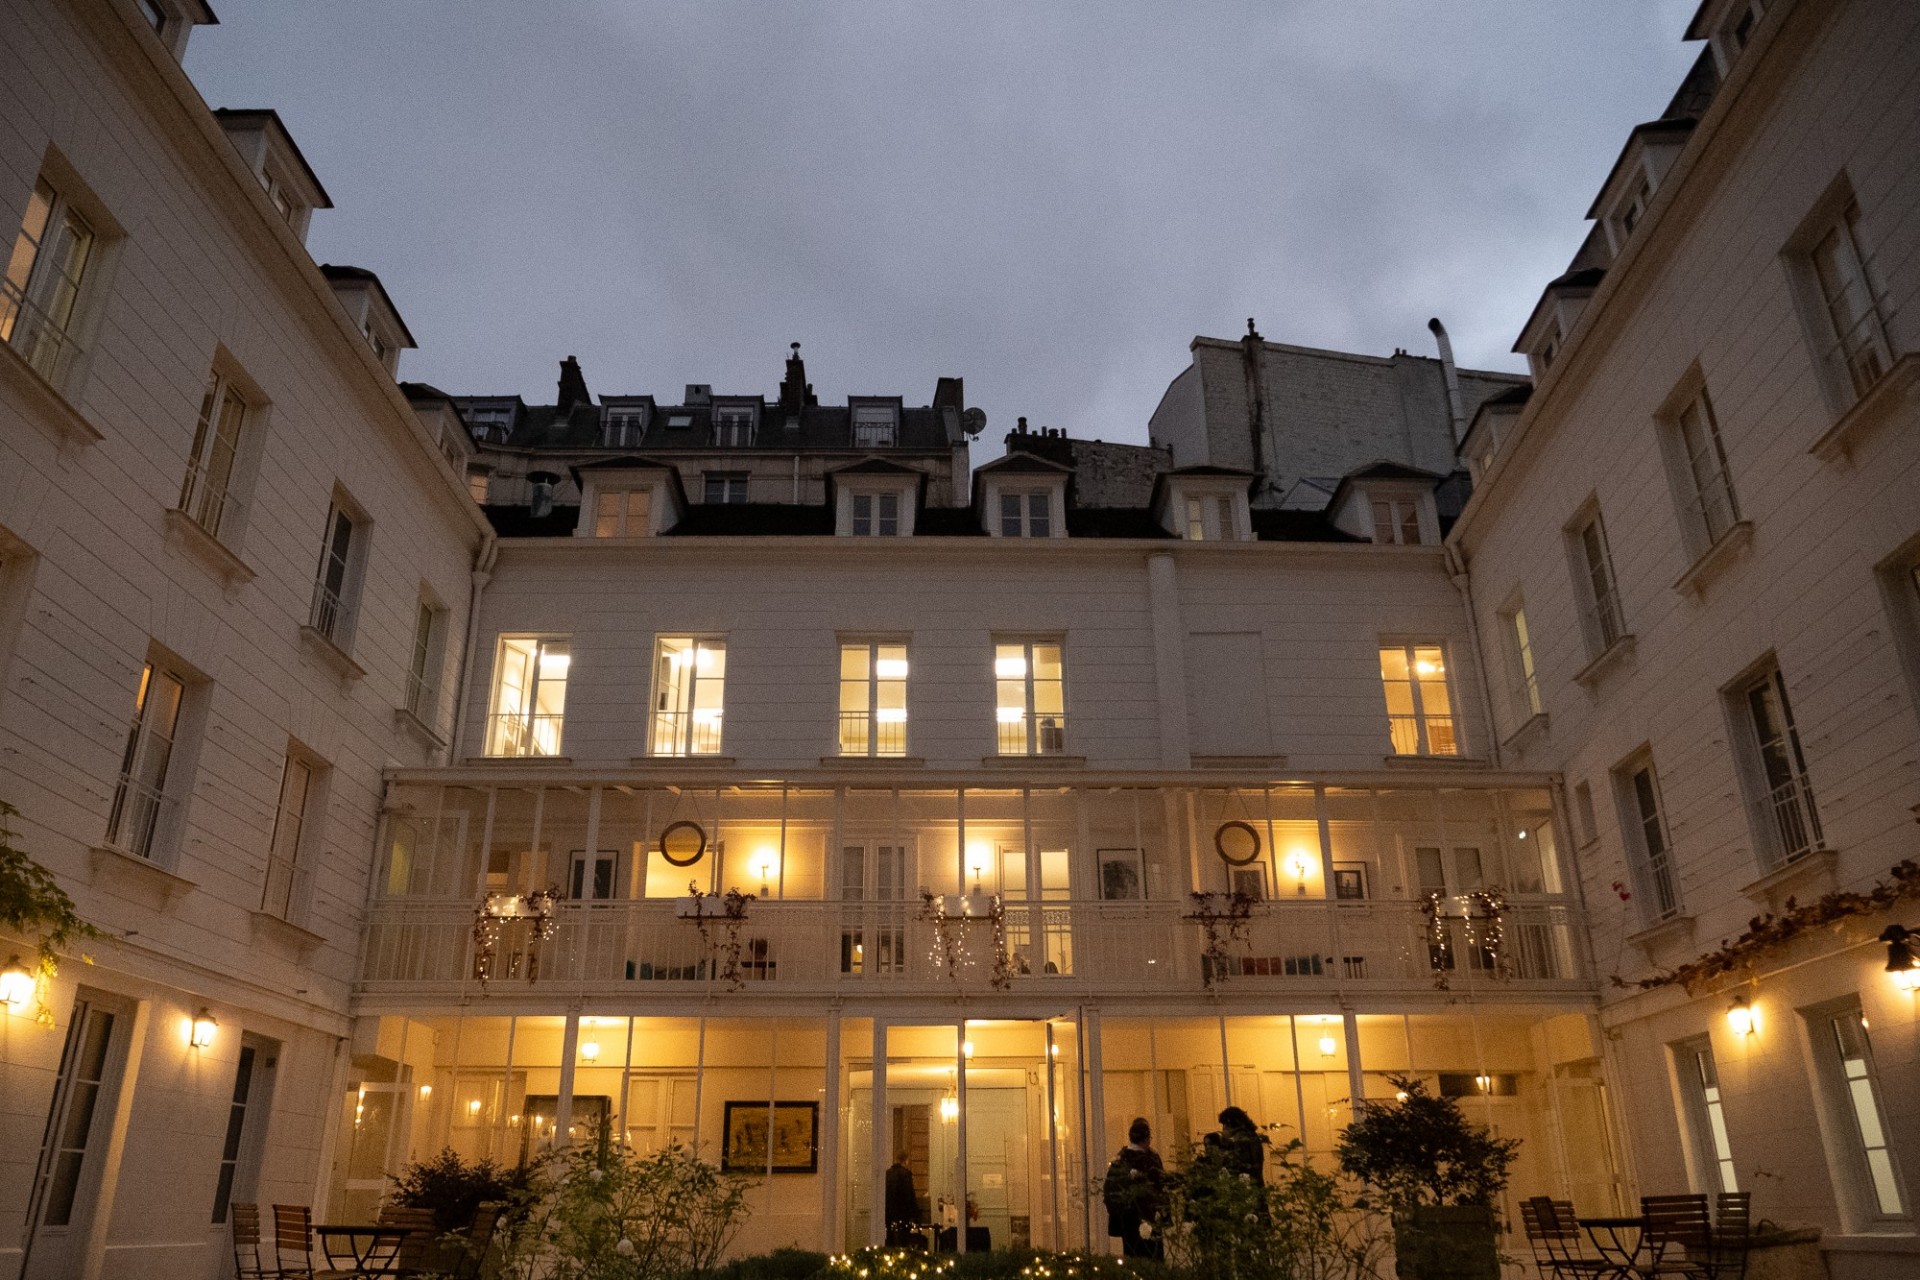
<point>1223,919</point>
<point>1484,918</point>
<point>33,905</point>
<point>732,915</point>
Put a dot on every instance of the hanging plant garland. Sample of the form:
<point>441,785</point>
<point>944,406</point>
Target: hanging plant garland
<point>945,953</point>
<point>724,954</point>
<point>1439,940</point>
<point>1220,929</point>
<point>1002,962</point>
<point>1489,930</point>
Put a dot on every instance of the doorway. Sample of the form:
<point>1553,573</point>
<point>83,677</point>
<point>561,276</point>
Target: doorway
<point>80,1122</point>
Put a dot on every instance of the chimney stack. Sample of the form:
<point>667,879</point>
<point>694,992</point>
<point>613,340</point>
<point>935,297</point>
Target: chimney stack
<point>573,385</point>
<point>795,391</point>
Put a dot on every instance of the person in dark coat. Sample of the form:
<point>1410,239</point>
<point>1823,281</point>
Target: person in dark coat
<point>1238,1145</point>
<point>903,1205</point>
<point>1135,1193</point>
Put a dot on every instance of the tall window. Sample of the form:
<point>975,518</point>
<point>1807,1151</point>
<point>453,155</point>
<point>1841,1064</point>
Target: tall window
<point>873,426</point>
<point>1030,698</point>
<point>876,515</point>
<point>1601,598</point>
<point>332,603</point>
<point>529,696</point>
<point>236,1128</point>
<point>1210,519</point>
<point>1647,843</point>
<point>733,425</point>
<point>1397,520</point>
<point>1790,824</point>
<point>623,426</point>
<point>423,663</point>
<point>1526,691</point>
<point>216,446</point>
<point>725,486</point>
<point>873,699</point>
<point>1847,1062</point>
<point>621,513</point>
<point>284,869</point>
<point>689,687</point>
<point>1710,509</point>
<point>42,285</point>
<point>140,793</point>
<point>1700,1080</point>
<point>1854,328</point>
<point>1026,514</point>
<point>1419,704</point>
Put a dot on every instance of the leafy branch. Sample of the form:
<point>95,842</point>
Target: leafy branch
<point>32,904</point>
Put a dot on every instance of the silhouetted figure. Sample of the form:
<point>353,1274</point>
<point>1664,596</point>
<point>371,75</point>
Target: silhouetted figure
<point>1238,1145</point>
<point>903,1205</point>
<point>1134,1192</point>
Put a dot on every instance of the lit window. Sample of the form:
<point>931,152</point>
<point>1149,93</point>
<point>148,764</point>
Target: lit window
<point>876,515</point>
<point>725,486</point>
<point>873,699</point>
<point>1526,681</point>
<point>42,285</point>
<point>284,869</point>
<point>620,513</point>
<point>139,795</point>
<point>1848,1062</point>
<point>1210,520</point>
<point>733,426</point>
<point>423,664</point>
<point>1701,1081</point>
<point>206,493</point>
<point>1601,600</point>
<point>1855,329</point>
<point>1026,514</point>
<point>335,585</point>
<point>1646,834</point>
<point>873,426</point>
<point>1397,520</point>
<point>529,696</point>
<point>1029,698</point>
<point>1707,497</point>
<point>1419,704</point>
<point>1789,824</point>
<point>689,686</point>
<point>477,486</point>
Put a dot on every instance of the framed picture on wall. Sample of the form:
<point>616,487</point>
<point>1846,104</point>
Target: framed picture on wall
<point>1122,875</point>
<point>1250,882</point>
<point>795,1134</point>
<point>1350,880</point>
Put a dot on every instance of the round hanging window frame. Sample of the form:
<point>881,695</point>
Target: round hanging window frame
<point>698,853</point>
<point>1220,846</point>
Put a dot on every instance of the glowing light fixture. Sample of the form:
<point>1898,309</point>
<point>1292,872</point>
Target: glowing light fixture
<point>1901,962</point>
<point>201,1031</point>
<point>966,1048</point>
<point>473,1107</point>
<point>1485,1083</point>
<point>426,1091</point>
<point>766,862</point>
<point>1328,1046</point>
<point>949,1109</point>
<point>1400,1095</point>
<point>1740,1017</point>
<point>1300,865</point>
<point>590,1050</point>
<point>1010,715</point>
<point>1010,668</point>
<point>16,985</point>
<point>891,668</point>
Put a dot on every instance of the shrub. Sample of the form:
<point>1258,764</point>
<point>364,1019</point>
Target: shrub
<point>1423,1151</point>
<point>455,1190</point>
<point>781,1264</point>
<point>1018,1264</point>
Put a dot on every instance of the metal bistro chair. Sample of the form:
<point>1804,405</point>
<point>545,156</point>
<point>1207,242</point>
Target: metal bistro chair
<point>1555,1238</point>
<point>417,1250</point>
<point>249,1261</point>
<point>1732,1235</point>
<point>1679,1234</point>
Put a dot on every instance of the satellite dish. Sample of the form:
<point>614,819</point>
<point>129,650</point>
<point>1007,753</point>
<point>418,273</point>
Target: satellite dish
<point>973,421</point>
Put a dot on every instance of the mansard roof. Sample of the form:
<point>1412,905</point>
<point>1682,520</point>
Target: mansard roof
<point>827,428</point>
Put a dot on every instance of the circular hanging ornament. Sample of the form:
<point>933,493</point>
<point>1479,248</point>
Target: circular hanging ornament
<point>683,843</point>
<point>1237,843</point>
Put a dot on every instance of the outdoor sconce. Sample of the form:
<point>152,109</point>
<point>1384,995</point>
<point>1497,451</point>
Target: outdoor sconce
<point>966,1048</point>
<point>590,1049</point>
<point>16,985</point>
<point>201,1030</point>
<point>1328,1047</point>
<point>1740,1017</point>
<point>1901,962</point>
<point>977,864</point>
<point>426,1091</point>
<point>1300,866</point>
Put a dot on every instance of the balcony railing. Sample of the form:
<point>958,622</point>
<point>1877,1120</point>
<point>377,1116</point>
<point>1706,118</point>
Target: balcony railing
<point>686,733</point>
<point>1795,823</point>
<point>204,501</point>
<point>32,332</point>
<point>1049,735</point>
<point>829,947</point>
<point>866,735</point>
<point>137,822</point>
<point>520,733</point>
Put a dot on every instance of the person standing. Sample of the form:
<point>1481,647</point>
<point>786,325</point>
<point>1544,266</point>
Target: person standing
<point>1134,1192</point>
<point>1238,1146</point>
<point>903,1204</point>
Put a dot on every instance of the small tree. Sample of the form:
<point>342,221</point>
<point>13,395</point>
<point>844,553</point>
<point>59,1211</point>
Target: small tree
<point>32,904</point>
<point>454,1189</point>
<point>1422,1151</point>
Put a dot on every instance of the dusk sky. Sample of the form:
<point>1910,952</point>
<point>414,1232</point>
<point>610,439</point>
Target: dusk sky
<point>1049,200</point>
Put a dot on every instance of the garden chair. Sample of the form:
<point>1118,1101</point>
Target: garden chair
<point>249,1261</point>
<point>1732,1235</point>
<point>471,1262</point>
<point>417,1253</point>
<point>293,1242</point>
<point>1559,1251</point>
<point>1679,1234</point>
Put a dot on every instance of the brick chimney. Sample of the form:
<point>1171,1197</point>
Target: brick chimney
<point>573,385</point>
<point>795,392</point>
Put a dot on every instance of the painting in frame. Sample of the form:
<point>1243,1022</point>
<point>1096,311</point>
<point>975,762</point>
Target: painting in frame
<point>796,1137</point>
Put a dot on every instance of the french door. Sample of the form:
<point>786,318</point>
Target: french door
<point>80,1118</point>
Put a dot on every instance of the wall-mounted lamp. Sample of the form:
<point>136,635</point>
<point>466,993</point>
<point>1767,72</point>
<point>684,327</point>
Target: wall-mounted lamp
<point>1299,864</point>
<point>966,1048</point>
<point>200,1031</point>
<point>1485,1083</point>
<point>1740,1017</point>
<point>1328,1047</point>
<point>426,1091</point>
<point>976,863</point>
<point>473,1107</point>
<point>1901,962</point>
<point>1400,1095</point>
<point>765,862</point>
<point>590,1049</point>
<point>16,985</point>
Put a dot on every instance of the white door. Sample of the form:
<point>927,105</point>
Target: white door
<point>66,1182</point>
<point>873,930</point>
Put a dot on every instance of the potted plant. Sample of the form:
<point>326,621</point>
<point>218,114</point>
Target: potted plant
<point>1438,1175</point>
<point>454,1192</point>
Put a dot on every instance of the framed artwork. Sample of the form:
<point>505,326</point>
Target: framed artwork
<point>1349,880</point>
<point>1250,882</point>
<point>1122,875</point>
<point>796,1137</point>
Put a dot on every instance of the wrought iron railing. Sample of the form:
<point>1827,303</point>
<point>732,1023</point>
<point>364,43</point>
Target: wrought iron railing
<point>520,733</point>
<point>41,342</point>
<point>137,822</point>
<point>862,734</point>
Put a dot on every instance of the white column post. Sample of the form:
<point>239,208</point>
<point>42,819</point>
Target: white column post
<point>834,1230</point>
<point>877,1157</point>
<point>569,1056</point>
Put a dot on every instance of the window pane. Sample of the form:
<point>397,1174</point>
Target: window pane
<point>606,516</point>
<point>1010,515</point>
<point>1039,518</point>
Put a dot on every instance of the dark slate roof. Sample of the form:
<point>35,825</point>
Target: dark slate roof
<point>876,466</point>
<point>1113,522</point>
<point>1277,525</point>
<point>336,271</point>
<point>754,520</point>
<point>1207,469</point>
<point>822,427</point>
<point>1518,394</point>
<point>268,118</point>
<point>1024,462</point>
<point>1584,278</point>
<point>513,520</point>
<point>1384,470</point>
<point>1671,126</point>
<point>947,522</point>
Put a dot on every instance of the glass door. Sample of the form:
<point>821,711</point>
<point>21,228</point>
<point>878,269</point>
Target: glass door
<point>80,1121</point>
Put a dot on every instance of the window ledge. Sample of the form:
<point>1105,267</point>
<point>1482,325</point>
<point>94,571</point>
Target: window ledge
<point>155,883</point>
<point>330,655</point>
<point>417,728</point>
<point>1238,762</point>
<point>185,535</point>
<point>556,761</point>
<point>1652,940</point>
<point>681,762</point>
<point>1811,870</point>
<point>1590,676</point>
<point>1732,544</point>
<point>875,762</point>
<point>285,935</point>
<point>69,422</point>
<point>1421,762</point>
<point>1020,762</point>
<point>1534,727</point>
<point>1869,410</point>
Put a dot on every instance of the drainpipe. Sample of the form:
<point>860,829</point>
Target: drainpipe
<point>1452,375</point>
<point>483,560</point>
<point>1457,570</point>
<point>1252,358</point>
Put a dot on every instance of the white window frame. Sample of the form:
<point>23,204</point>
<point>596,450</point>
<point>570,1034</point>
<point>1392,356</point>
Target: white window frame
<point>140,822</point>
<point>1024,725</point>
<point>623,512</point>
<point>42,298</point>
<point>1855,1116</point>
<point>299,811</point>
<point>874,433</point>
<point>1402,514</point>
<point>1522,673</point>
<point>1024,513</point>
<point>873,706</point>
<point>1851,362</point>
<point>337,580</point>
<point>1209,517</point>
<point>425,659</point>
<point>1697,467</point>
<point>1773,768</point>
<point>729,482</point>
<point>516,724</point>
<point>868,515</point>
<point>1435,734</point>
<point>1595,585</point>
<point>684,720</point>
<point>213,463</point>
<point>735,425</point>
<point>1703,1109</point>
<point>622,426</point>
<point>1649,842</point>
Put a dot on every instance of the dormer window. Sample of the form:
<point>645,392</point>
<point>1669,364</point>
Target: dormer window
<point>268,150</point>
<point>1397,520</point>
<point>733,425</point>
<point>1026,513</point>
<point>1211,519</point>
<point>622,426</point>
<point>1549,347</point>
<point>490,422</point>
<point>1204,504</point>
<point>621,513</point>
<point>875,426</point>
<point>173,20</point>
<point>1636,207</point>
<point>876,515</point>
